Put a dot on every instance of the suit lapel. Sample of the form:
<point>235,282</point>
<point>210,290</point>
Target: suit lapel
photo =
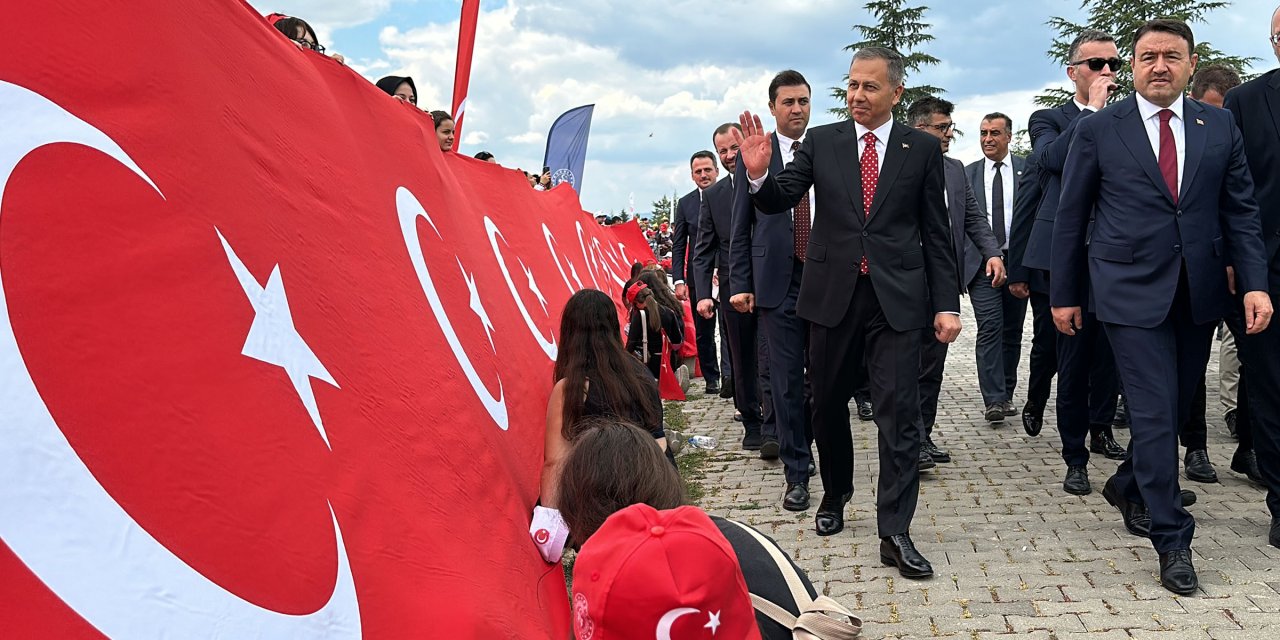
<point>1133,133</point>
<point>1194,135</point>
<point>978,180</point>
<point>895,154</point>
<point>956,178</point>
<point>1273,99</point>
<point>845,142</point>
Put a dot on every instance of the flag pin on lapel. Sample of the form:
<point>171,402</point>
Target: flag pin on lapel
<point>1200,122</point>
<point>906,146</point>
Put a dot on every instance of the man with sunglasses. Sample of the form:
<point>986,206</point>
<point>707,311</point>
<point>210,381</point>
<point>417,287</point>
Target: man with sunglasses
<point>1255,106</point>
<point>1157,203</point>
<point>1087,382</point>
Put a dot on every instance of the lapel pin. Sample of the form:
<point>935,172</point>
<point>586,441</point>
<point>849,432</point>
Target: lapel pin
<point>906,146</point>
<point>1200,122</point>
<point>1019,172</point>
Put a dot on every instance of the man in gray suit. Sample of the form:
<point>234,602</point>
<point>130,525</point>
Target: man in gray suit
<point>975,247</point>
<point>999,313</point>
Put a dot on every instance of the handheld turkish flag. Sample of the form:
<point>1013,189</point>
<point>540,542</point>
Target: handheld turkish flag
<point>271,365</point>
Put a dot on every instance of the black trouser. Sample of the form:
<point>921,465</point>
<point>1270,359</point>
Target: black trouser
<point>743,350</point>
<point>933,360</point>
<point>1259,399</point>
<point>893,362</point>
<point>704,330</point>
<point>787,337</point>
<point>1087,386</point>
<point>1044,351</point>
<point>1194,433</point>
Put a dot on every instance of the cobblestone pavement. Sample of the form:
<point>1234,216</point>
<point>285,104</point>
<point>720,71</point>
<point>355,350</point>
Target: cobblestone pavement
<point>1013,554</point>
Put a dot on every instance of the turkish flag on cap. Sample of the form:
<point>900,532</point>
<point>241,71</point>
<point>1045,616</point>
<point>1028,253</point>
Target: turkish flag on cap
<point>271,365</point>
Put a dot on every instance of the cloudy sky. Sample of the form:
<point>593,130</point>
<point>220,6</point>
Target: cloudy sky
<point>664,74</point>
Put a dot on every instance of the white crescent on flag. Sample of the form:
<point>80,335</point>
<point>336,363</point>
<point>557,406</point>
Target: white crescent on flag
<point>88,550</point>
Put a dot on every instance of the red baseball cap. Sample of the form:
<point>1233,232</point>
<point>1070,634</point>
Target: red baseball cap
<point>669,575</point>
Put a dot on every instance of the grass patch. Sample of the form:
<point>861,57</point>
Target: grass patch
<point>673,415</point>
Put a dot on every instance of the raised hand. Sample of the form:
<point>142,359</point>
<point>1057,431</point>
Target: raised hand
<point>755,147</point>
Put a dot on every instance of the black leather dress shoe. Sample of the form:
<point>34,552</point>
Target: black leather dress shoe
<point>1077,481</point>
<point>813,469</point>
<point>1103,443</point>
<point>1273,538</point>
<point>1176,572</point>
<point>726,387</point>
<point>770,449</point>
<point>797,496</point>
<point>1032,418</point>
<point>1009,409</point>
<point>995,414</point>
<point>1230,418</point>
<point>938,455</point>
<point>926,460</point>
<point>752,441</point>
<point>830,517</point>
<point>1121,420</point>
<point>1135,516</point>
<point>1246,462</point>
<point>866,411</point>
<point>1197,467</point>
<point>1187,497</point>
<point>712,388</point>
<point>898,551</point>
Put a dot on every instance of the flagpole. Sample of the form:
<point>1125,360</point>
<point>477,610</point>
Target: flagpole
<point>462,68</point>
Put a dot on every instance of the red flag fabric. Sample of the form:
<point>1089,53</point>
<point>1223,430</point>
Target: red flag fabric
<point>271,364</point>
<point>462,67</point>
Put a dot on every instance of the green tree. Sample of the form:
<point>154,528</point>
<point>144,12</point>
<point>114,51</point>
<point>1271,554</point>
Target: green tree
<point>662,209</point>
<point>899,28</point>
<point>1121,18</point>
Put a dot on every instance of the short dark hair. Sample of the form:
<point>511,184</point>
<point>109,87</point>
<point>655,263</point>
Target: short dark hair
<point>897,66</point>
<point>440,117</point>
<point>1085,37</point>
<point>703,154</point>
<point>1218,77</point>
<point>922,110</point>
<point>484,155</point>
<point>996,115</point>
<point>724,128</point>
<point>613,465</point>
<point>288,25</point>
<point>1166,25</point>
<point>788,78</point>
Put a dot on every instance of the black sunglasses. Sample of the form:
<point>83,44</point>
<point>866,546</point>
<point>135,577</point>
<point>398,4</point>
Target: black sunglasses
<point>1096,64</point>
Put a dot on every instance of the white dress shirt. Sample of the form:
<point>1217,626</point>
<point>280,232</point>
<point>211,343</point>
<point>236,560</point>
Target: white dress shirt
<point>784,145</point>
<point>1151,118</point>
<point>1006,176</point>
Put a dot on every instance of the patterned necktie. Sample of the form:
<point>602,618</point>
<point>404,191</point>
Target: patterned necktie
<point>997,205</point>
<point>801,219</point>
<point>1168,154</point>
<point>870,176</point>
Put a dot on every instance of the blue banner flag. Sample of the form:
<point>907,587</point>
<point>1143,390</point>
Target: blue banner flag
<point>567,146</point>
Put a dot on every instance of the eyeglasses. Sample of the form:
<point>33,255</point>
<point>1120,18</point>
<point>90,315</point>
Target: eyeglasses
<point>1096,64</point>
<point>940,128</point>
<point>305,44</point>
<point>1275,38</point>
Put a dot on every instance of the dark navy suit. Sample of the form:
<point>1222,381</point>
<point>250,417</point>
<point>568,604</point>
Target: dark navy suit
<point>711,251</point>
<point>1043,359</point>
<point>1256,108</point>
<point>1156,263</point>
<point>763,263</point>
<point>685,238</point>
<point>1087,380</point>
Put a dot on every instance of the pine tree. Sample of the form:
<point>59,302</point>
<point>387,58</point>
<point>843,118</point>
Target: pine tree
<point>662,209</point>
<point>901,29</point>
<point>1121,18</point>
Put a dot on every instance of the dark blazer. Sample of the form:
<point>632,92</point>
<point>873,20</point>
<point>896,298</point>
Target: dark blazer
<point>1051,131</point>
<point>762,247</point>
<point>1140,238</point>
<point>905,237</point>
<point>685,236</point>
<point>1256,108</point>
<point>971,234</point>
<point>712,250</point>
<point>1026,200</point>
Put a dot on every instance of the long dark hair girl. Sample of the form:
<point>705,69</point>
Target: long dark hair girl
<point>591,349</point>
<point>657,281</point>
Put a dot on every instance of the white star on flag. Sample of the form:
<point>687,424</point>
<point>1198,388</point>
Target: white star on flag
<point>533,285</point>
<point>477,306</point>
<point>274,339</point>
<point>713,622</point>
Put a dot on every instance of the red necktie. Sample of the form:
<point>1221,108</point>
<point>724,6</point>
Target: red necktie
<point>1168,154</point>
<point>801,219</point>
<point>870,176</point>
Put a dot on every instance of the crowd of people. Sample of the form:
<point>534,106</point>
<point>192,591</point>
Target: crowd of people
<point>832,262</point>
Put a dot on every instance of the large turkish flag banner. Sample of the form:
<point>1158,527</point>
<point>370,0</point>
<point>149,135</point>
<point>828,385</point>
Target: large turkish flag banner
<point>271,364</point>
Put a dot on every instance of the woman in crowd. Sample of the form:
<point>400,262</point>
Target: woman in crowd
<point>301,33</point>
<point>612,466</point>
<point>594,377</point>
<point>651,320</point>
<point>400,88</point>
<point>444,130</point>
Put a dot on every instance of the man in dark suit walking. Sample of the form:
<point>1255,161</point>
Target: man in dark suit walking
<point>702,167</point>
<point>712,252</point>
<point>1255,106</point>
<point>1087,381</point>
<point>995,180</point>
<point>878,269</point>
<point>976,251</point>
<point>1166,181</point>
<point>767,263</point>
